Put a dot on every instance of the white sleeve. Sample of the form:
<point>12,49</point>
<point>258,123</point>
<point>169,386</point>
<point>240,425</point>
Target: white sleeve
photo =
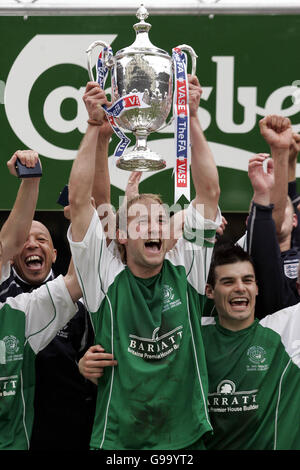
<point>286,323</point>
<point>194,249</point>
<point>95,264</point>
<point>47,309</point>
<point>5,272</point>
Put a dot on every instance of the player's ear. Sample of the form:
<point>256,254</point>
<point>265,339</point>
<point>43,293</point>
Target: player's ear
<point>54,255</point>
<point>209,291</point>
<point>295,220</point>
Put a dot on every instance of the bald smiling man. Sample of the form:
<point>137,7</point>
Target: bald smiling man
<point>61,394</point>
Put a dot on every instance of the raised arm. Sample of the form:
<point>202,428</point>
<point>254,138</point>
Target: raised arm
<point>101,185</point>
<point>72,283</point>
<point>292,186</point>
<point>204,170</point>
<point>16,228</point>
<point>293,155</point>
<point>277,132</point>
<point>83,170</point>
<point>101,192</point>
<point>274,292</point>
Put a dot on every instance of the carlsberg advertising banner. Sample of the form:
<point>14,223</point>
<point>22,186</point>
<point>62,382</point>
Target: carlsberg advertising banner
<point>248,66</point>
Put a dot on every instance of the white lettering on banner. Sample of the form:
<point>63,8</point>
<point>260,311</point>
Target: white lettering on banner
<point>247,97</point>
<point>2,88</point>
<point>225,98</point>
<point>45,51</point>
<point>42,52</point>
<point>296,92</point>
<point>53,115</point>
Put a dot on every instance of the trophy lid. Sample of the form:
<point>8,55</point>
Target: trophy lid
<point>142,43</point>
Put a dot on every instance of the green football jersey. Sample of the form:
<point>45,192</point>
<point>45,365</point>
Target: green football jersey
<point>28,323</point>
<point>254,383</point>
<point>156,397</point>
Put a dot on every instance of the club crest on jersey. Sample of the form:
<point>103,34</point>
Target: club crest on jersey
<point>291,269</point>
<point>168,298</point>
<point>256,354</point>
<point>11,344</point>
<point>168,294</point>
<point>9,349</point>
<point>258,357</point>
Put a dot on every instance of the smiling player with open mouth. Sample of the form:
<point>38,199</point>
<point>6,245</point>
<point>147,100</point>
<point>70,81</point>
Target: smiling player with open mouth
<point>33,263</point>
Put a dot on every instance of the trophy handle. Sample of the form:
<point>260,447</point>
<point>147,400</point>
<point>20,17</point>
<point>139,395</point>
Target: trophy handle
<point>190,50</point>
<point>89,56</point>
<point>184,47</point>
<point>166,124</point>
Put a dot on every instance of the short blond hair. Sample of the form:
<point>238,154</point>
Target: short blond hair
<point>122,214</point>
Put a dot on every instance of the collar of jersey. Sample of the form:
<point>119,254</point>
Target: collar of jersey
<point>227,332</point>
<point>47,278</point>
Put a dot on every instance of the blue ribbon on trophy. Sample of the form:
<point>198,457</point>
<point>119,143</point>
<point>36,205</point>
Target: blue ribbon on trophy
<point>115,109</point>
<point>182,128</point>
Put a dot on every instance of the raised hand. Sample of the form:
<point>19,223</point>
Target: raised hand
<point>29,158</point>
<point>277,131</point>
<point>94,97</point>
<point>132,188</point>
<point>262,182</point>
<point>195,92</point>
<point>221,229</point>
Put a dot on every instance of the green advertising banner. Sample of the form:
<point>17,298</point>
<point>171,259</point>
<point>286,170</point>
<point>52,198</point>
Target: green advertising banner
<point>248,67</point>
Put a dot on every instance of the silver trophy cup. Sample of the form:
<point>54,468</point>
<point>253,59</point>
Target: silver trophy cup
<point>141,68</point>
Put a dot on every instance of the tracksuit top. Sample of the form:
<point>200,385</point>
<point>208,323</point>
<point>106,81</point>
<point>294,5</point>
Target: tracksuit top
<point>276,272</point>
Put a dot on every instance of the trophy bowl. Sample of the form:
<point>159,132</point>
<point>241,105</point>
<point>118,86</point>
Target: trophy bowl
<point>147,71</point>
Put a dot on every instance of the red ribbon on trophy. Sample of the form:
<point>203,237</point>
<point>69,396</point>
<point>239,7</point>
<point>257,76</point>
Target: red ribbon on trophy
<point>182,128</point>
